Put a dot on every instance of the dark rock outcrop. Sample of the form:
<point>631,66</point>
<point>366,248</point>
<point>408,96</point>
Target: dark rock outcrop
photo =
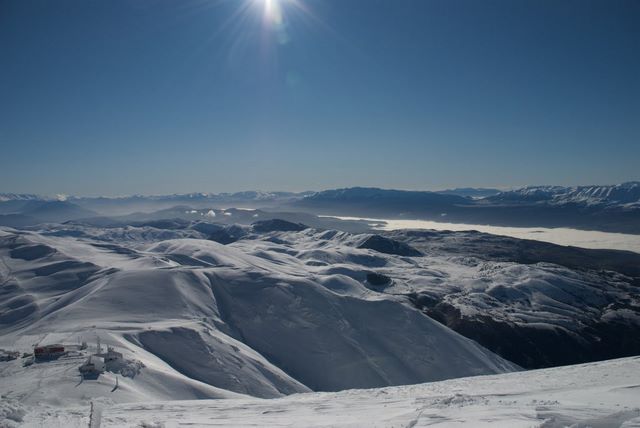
<point>389,246</point>
<point>378,279</point>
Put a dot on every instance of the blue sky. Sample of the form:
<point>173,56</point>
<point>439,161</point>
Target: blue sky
<point>154,96</point>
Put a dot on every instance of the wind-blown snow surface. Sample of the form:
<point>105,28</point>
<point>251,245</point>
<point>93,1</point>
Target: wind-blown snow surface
<point>604,394</point>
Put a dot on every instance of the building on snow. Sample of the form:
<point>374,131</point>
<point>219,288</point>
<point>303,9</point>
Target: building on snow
<point>48,352</point>
<point>93,366</point>
<point>112,356</point>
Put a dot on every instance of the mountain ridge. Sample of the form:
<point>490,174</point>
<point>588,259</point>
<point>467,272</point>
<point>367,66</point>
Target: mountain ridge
<point>610,208</point>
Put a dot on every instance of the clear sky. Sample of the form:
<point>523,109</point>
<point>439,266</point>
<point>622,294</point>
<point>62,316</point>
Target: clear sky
<point>156,96</point>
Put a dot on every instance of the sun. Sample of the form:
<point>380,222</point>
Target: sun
<point>273,21</point>
<point>272,11</point>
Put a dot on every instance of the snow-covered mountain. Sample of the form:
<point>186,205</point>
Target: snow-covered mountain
<point>614,208</point>
<point>625,195</point>
<point>283,309</point>
<point>534,303</point>
<point>137,203</point>
<point>258,317</point>
<point>605,208</point>
<point>4,197</point>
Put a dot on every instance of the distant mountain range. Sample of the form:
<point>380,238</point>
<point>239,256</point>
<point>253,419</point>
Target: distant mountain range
<point>470,192</point>
<point>624,195</point>
<point>613,208</point>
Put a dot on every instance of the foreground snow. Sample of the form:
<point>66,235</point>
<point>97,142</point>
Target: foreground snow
<point>604,394</point>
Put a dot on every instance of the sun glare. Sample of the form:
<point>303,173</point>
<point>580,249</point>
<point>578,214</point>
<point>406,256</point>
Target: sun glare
<point>272,11</point>
<point>273,21</point>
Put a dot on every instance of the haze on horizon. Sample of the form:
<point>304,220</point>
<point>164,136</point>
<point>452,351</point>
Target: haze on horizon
<point>127,97</point>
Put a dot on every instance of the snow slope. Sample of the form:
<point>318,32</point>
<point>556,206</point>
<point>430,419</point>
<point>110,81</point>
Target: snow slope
<point>604,394</point>
<point>285,312</point>
<point>256,317</point>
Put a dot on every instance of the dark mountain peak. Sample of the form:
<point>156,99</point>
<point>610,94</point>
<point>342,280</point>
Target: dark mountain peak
<point>56,211</point>
<point>369,193</point>
<point>386,199</point>
<point>277,225</point>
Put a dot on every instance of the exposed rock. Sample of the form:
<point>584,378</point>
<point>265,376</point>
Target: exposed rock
<point>389,246</point>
